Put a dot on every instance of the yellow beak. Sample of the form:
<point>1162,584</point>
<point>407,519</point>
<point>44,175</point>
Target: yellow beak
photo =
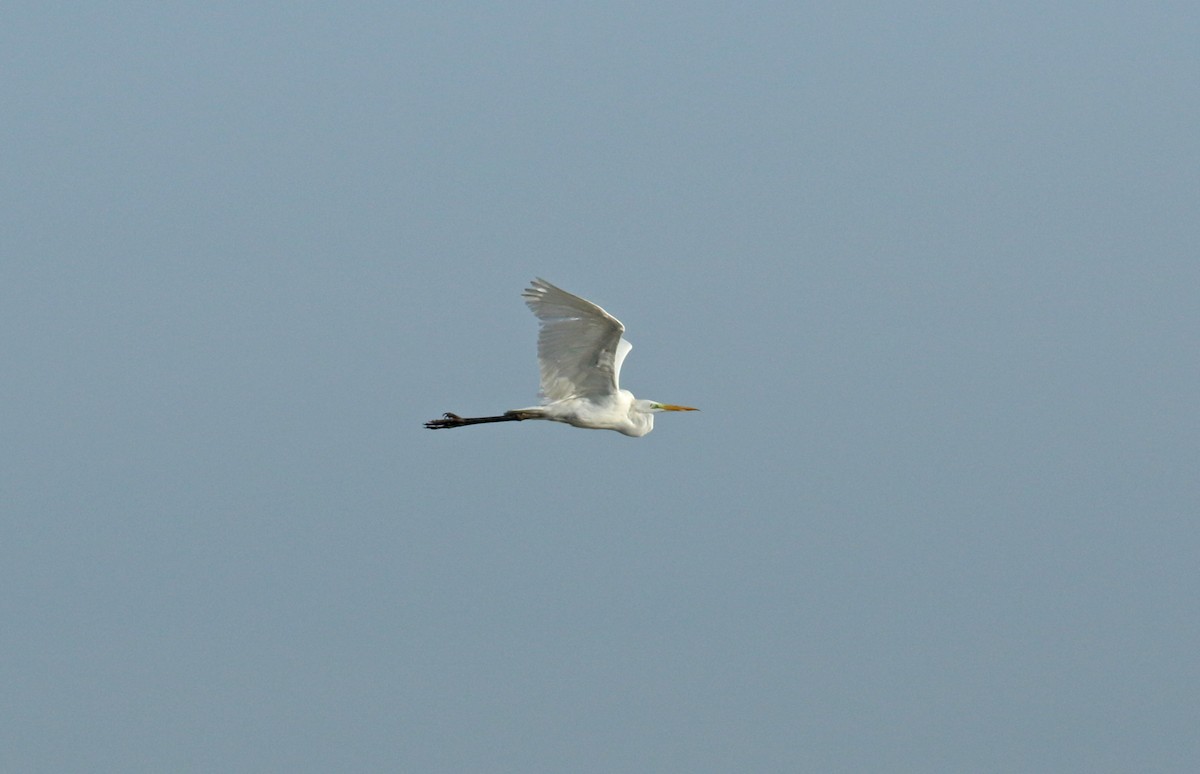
<point>669,407</point>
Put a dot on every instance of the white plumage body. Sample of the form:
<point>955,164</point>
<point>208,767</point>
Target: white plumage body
<point>580,353</point>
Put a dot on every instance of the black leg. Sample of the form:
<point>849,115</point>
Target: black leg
<point>454,420</point>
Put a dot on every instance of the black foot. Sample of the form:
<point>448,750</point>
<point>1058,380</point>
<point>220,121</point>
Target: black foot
<point>447,420</point>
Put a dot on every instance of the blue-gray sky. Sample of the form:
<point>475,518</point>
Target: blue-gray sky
<point>931,270</point>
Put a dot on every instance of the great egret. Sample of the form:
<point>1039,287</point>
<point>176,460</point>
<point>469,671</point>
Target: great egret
<point>580,351</point>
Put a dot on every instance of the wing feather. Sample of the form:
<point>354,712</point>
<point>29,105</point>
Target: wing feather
<point>580,349</point>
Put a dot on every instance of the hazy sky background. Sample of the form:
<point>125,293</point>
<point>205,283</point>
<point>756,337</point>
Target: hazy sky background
<point>930,270</point>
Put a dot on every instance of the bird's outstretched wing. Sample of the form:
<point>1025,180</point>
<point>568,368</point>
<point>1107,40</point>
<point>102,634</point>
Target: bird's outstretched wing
<point>580,349</point>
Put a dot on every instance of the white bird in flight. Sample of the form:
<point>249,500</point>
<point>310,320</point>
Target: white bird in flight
<point>580,351</point>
